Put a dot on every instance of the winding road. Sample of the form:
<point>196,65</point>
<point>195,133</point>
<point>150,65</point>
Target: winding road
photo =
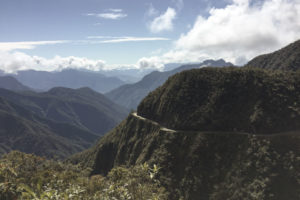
<point>153,122</point>
<point>162,128</point>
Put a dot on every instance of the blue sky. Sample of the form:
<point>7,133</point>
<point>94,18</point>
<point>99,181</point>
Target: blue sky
<point>140,33</point>
<point>44,20</point>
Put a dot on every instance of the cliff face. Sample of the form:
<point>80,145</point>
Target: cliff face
<point>199,161</point>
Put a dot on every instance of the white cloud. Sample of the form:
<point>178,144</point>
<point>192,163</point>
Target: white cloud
<point>238,32</point>
<point>163,22</point>
<point>150,63</point>
<point>9,46</point>
<point>133,39</point>
<point>114,14</point>
<point>243,30</point>
<point>16,61</point>
<point>113,39</point>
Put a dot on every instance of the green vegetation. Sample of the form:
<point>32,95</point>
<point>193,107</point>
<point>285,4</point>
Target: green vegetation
<point>204,165</point>
<point>287,59</point>
<point>57,123</point>
<point>82,107</point>
<point>236,135</point>
<point>25,176</point>
<point>25,131</point>
<point>227,99</point>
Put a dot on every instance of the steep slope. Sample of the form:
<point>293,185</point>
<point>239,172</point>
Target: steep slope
<point>10,83</point>
<point>287,58</point>
<point>83,107</point>
<point>41,80</point>
<point>130,95</point>
<point>22,130</point>
<point>226,100</point>
<point>219,159</point>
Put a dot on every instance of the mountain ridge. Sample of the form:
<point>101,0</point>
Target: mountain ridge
<point>22,130</point>
<point>43,80</point>
<point>130,95</point>
<point>206,163</point>
<point>286,58</point>
<point>84,108</point>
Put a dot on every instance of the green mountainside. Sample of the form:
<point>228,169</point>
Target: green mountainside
<point>230,99</point>
<point>130,95</point>
<point>83,107</point>
<point>22,130</point>
<point>211,133</point>
<point>287,58</point>
<point>248,150</point>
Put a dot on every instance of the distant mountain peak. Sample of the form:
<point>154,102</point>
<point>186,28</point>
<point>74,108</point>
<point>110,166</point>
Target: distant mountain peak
<point>130,95</point>
<point>70,78</point>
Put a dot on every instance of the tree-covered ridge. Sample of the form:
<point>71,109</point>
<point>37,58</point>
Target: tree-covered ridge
<point>28,177</point>
<point>130,95</point>
<point>21,129</point>
<point>82,107</point>
<point>203,165</point>
<point>287,58</point>
<point>227,99</point>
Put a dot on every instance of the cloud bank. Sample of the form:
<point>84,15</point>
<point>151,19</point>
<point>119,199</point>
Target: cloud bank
<point>16,61</point>
<point>126,39</point>
<point>111,13</point>
<point>238,32</point>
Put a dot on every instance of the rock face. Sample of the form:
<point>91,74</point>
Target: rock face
<point>287,58</point>
<point>246,156</point>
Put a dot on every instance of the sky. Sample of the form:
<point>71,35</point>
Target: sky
<point>108,34</point>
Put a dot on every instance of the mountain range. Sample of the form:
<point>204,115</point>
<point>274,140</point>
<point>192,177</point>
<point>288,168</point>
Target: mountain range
<point>25,131</point>
<point>43,80</point>
<point>214,133</point>
<point>56,123</point>
<point>130,95</point>
<point>82,107</point>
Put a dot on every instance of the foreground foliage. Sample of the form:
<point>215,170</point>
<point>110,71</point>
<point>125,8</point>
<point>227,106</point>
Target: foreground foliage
<point>25,176</point>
